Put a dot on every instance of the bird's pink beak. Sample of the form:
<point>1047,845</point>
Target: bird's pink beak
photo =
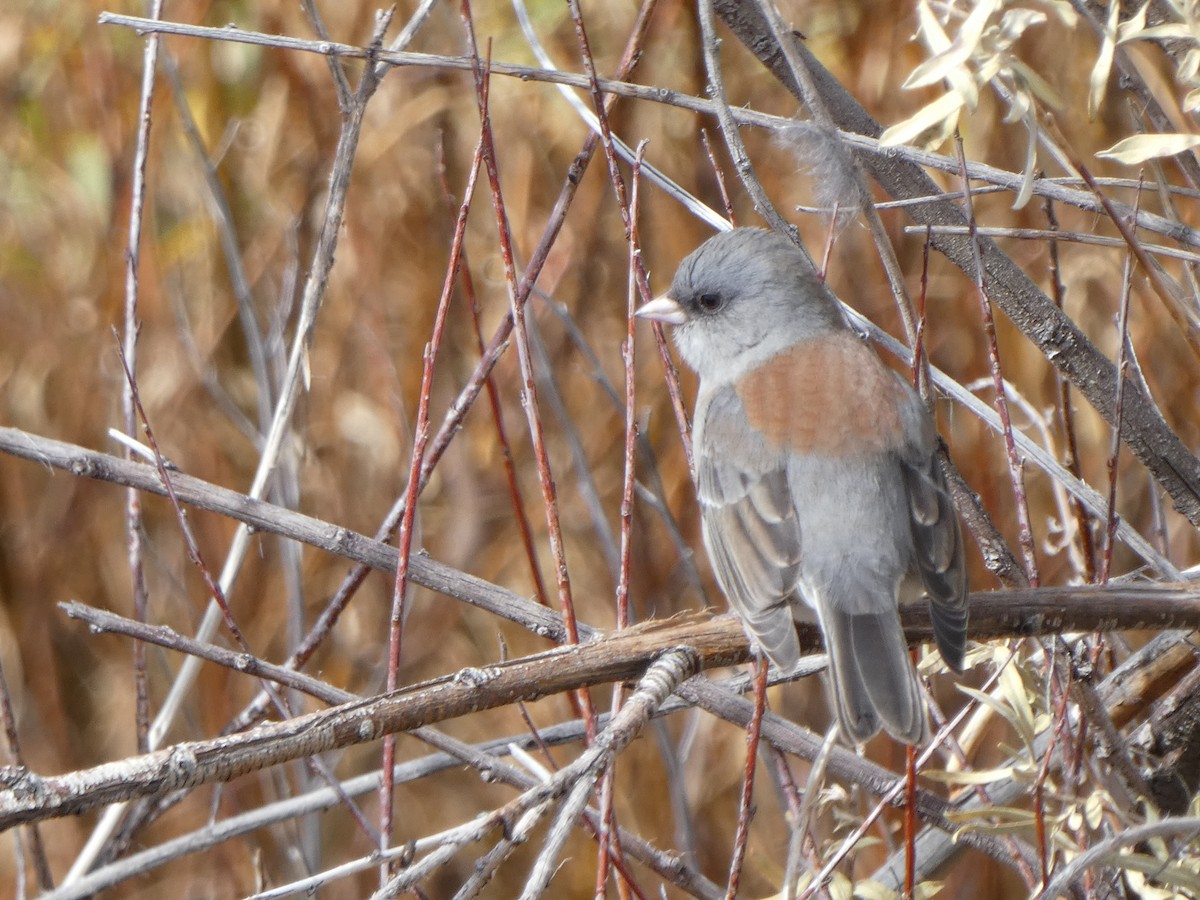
<point>663,309</point>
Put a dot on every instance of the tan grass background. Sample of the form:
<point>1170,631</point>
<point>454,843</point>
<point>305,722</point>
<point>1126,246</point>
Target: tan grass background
<point>68,104</point>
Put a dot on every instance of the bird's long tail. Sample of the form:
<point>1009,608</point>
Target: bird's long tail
<point>874,682</point>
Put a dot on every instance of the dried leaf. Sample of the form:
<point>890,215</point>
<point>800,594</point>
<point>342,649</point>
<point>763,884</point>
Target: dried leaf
<point>873,890</point>
<point>1011,814</point>
<point>1131,29</point>
<point>934,70</point>
<point>975,776</point>
<point>1177,31</point>
<point>1189,66</point>
<point>1065,12</point>
<point>1141,147</point>
<point>1037,85</point>
<point>840,887</point>
<point>1098,81</point>
<point>1012,687</point>
<point>946,59</point>
<point>1013,24</point>
<point>926,118</point>
<point>1001,708</point>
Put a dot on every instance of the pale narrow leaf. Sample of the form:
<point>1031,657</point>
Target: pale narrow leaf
<point>975,776</point>
<point>1065,12</point>
<point>930,29</point>
<point>1013,690</point>
<point>927,117</point>
<point>945,53</point>
<point>1132,27</point>
<point>1189,66</point>
<point>840,887</point>
<point>999,707</point>
<point>1014,22</point>
<point>1029,173</point>
<point>1141,147</point>
<point>934,70</point>
<point>1177,32</point>
<point>1162,873</point>
<point>1098,81</point>
<point>873,890</point>
<point>1038,86</point>
<point>952,57</point>
<point>1010,814</point>
<point>973,28</point>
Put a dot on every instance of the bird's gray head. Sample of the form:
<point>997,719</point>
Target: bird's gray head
<point>740,297</point>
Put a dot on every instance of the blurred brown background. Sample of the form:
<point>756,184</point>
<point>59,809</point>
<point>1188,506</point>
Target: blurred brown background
<point>69,110</point>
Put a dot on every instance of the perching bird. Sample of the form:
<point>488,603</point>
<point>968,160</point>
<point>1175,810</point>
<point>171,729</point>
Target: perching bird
<point>818,483</point>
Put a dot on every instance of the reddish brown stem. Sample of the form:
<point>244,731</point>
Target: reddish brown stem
<point>1016,467</point>
<point>189,537</point>
<point>1110,531</point>
<point>529,394</point>
<point>1066,416</point>
<point>404,535</point>
<point>746,804</point>
<point>910,821</point>
<point>720,177</point>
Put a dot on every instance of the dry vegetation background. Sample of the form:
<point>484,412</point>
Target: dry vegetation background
<point>269,121</point>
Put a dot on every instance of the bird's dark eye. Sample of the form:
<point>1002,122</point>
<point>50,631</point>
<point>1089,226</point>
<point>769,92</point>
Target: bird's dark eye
<point>710,302</point>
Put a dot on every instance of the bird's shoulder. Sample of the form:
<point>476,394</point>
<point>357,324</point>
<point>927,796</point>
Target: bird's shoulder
<point>828,395</point>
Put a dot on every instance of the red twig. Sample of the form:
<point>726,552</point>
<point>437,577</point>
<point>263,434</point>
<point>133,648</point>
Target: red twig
<point>910,821</point>
<point>1110,531</point>
<point>746,804</point>
<point>404,535</point>
<point>218,596</point>
<point>671,374</point>
<point>1066,416</point>
<point>1016,467</point>
<point>888,798</point>
<point>529,397</point>
<point>453,419</point>
<point>827,248</point>
<point>618,183</point>
<point>1039,785</point>
<point>189,537</point>
<point>510,470</point>
<point>496,346</point>
<point>720,177</point>
<point>631,428</point>
<point>628,214</point>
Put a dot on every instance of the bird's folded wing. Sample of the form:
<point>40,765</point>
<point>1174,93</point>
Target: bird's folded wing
<point>937,542</point>
<point>750,527</point>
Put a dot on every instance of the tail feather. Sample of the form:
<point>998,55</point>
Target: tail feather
<point>874,683</point>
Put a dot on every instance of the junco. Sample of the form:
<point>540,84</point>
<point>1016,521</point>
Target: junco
<point>818,485</point>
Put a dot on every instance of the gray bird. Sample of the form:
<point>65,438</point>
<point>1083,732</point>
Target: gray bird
<point>819,487</point>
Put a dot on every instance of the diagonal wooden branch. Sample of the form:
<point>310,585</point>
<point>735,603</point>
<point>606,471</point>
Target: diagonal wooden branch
<point>1000,614</point>
<point>25,796</point>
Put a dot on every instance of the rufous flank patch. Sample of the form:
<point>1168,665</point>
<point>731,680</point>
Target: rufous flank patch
<point>829,395</point>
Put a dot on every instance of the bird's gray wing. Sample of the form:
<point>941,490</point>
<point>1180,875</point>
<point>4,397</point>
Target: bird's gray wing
<point>937,537</point>
<point>749,522</point>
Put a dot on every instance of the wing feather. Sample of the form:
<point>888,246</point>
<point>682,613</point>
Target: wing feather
<point>750,527</point>
<point>938,548</point>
